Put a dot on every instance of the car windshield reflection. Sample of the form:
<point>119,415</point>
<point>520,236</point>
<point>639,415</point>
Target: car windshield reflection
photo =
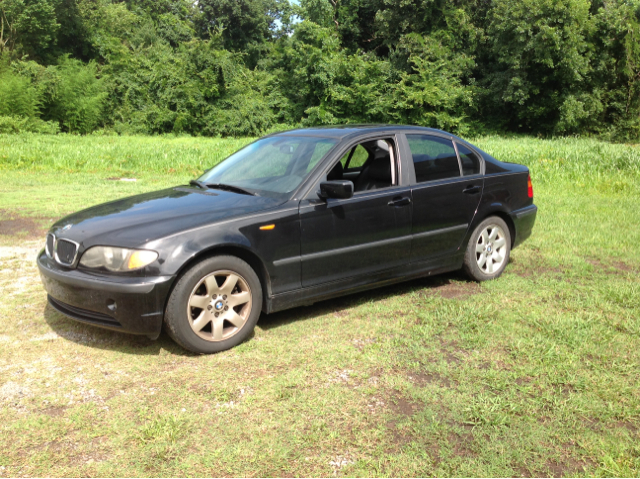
<point>272,166</point>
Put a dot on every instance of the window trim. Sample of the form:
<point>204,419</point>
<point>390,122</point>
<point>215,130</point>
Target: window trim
<point>455,147</point>
<point>474,151</point>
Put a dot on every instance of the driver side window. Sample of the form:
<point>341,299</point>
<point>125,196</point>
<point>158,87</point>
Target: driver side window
<point>370,165</point>
<point>355,158</point>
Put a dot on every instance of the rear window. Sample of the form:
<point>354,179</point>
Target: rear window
<point>434,158</point>
<point>468,160</point>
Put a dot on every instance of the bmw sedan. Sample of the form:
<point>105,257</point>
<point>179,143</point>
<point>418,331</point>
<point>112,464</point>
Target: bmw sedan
<point>293,218</point>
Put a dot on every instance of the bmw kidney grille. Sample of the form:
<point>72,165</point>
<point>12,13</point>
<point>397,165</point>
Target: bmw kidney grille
<point>66,251</point>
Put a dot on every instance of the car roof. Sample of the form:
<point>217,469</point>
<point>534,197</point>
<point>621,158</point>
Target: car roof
<point>351,130</point>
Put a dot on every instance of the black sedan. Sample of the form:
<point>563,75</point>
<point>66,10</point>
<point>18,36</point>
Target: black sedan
<point>293,218</point>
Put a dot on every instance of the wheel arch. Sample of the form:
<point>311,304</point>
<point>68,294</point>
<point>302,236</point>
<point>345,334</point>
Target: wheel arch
<point>501,213</point>
<point>507,219</point>
<point>245,254</point>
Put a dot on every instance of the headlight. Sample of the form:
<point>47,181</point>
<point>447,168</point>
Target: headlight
<point>117,259</point>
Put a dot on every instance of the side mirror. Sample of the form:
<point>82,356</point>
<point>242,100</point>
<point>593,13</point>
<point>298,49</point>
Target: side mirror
<point>339,189</point>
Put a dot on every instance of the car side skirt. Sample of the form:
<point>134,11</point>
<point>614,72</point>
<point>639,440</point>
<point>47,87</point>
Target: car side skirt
<point>355,284</point>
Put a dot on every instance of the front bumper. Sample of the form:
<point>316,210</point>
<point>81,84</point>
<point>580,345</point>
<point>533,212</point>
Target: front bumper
<point>523,220</point>
<point>128,304</point>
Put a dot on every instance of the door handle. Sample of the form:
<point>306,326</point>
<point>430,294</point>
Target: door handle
<point>471,190</point>
<point>400,201</point>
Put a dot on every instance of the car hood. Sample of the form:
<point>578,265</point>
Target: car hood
<point>136,220</point>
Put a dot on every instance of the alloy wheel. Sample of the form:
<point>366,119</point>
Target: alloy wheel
<point>219,305</point>
<point>491,249</point>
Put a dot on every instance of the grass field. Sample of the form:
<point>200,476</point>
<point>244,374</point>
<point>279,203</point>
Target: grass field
<point>536,373</point>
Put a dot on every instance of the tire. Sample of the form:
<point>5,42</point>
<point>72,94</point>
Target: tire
<point>488,250</point>
<point>215,305</point>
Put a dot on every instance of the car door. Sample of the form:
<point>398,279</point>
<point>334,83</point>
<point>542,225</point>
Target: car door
<point>364,234</point>
<point>445,195</point>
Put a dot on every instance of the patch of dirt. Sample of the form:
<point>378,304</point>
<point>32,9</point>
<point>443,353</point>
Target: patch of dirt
<point>484,365</point>
<point>15,225</point>
<point>534,266</point>
<point>629,426</point>
<point>11,391</point>
<point>449,286</point>
<point>399,438</point>
<point>591,423</point>
<point>402,406</point>
<point>451,352</point>
<point>567,468</point>
<point>523,380</point>
<point>461,444</point>
<point>596,425</point>
<point>54,411</point>
<point>611,267</point>
<point>543,419</point>
<point>523,472</point>
<point>424,378</point>
<point>451,290</point>
<point>96,452</point>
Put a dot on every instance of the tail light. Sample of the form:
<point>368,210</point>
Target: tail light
<point>529,187</point>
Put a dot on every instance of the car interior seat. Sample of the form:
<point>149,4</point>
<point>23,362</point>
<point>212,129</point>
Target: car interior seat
<point>377,172</point>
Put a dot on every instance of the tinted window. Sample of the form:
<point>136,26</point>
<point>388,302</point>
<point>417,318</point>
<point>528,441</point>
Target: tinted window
<point>469,160</point>
<point>433,158</point>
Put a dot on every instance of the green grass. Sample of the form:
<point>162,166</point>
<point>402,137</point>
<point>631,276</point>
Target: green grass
<point>533,374</point>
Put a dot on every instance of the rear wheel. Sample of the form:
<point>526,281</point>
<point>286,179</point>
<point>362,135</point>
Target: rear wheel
<point>215,305</point>
<point>488,251</point>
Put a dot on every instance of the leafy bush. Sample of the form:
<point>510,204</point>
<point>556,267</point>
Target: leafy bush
<point>18,97</point>
<point>227,67</point>
<point>78,97</point>
<point>17,124</point>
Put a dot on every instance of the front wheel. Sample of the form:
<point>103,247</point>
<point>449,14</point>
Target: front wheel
<point>488,251</point>
<point>215,305</point>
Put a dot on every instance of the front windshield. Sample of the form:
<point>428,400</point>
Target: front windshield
<point>271,166</point>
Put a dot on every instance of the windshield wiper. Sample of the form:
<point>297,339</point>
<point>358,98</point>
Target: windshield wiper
<point>222,186</point>
<point>199,183</point>
<point>235,189</point>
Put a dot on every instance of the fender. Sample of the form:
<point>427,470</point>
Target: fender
<point>263,247</point>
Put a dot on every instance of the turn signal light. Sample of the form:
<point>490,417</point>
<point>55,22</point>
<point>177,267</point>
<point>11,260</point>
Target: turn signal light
<point>141,258</point>
<point>529,186</point>
<point>267,227</point>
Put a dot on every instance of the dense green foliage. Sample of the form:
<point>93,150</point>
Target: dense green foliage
<point>243,67</point>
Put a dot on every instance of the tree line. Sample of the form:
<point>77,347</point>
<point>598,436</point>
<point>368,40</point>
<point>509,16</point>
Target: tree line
<point>244,67</point>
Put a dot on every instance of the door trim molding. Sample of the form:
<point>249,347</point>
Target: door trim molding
<point>440,231</point>
<point>372,244</point>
